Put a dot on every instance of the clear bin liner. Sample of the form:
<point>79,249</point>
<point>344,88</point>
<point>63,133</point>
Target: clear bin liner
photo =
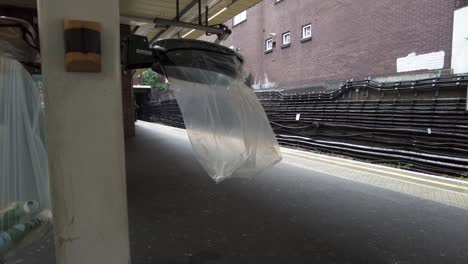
<point>25,214</point>
<point>227,125</point>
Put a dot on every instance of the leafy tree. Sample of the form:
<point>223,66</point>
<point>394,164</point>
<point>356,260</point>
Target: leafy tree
<point>154,80</point>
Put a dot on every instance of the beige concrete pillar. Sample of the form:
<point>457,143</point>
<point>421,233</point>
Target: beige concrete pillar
<point>85,138</point>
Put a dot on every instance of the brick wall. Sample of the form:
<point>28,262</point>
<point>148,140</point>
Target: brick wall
<point>128,109</point>
<point>128,106</point>
<point>350,38</point>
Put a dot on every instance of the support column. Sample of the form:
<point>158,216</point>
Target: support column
<point>85,138</point>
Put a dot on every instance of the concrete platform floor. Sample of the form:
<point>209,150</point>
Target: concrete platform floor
<point>288,214</point>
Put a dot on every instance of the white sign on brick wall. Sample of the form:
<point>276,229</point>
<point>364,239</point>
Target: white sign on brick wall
<point>428,61</point>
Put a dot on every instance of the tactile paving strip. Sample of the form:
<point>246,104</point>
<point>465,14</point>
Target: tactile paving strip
<point>423,191</point>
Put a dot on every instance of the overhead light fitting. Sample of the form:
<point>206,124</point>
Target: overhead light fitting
<point>188,33</point>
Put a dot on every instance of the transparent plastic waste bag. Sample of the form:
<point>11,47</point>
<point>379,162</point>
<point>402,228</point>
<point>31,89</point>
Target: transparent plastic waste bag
<point>226,124</point>
<point>25,214</point>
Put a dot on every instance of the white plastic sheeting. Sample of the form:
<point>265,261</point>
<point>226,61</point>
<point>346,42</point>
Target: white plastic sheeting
<point>226,124</point>
<point>24,185</point>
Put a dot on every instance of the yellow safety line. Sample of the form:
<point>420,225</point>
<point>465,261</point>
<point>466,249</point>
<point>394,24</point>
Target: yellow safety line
<point>381,171</point>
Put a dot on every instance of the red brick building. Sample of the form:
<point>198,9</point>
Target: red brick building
<point>346,39</point>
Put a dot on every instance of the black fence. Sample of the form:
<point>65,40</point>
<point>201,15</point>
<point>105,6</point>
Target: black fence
<point>404,129</point>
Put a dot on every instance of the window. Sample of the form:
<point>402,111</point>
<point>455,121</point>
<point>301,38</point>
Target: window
<point>307,32</point>
<point>240,18</point>
<point>269,44</point>
<point>286,39</point>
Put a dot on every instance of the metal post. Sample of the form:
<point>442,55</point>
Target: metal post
<point>206,15</point>
<point>177,10</point>
<point>168,22</point>
<point>199,13</point>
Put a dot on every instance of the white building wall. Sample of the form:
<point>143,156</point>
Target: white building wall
<point>460,41</point>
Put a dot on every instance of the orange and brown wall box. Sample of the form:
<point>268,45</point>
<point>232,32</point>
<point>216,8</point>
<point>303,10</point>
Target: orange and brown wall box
<point>82,46</point>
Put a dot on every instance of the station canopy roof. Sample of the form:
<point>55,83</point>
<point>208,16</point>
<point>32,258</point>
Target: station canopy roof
<point>140,14</point>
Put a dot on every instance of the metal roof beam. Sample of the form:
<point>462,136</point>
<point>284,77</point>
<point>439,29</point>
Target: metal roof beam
<point>190,15</point>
